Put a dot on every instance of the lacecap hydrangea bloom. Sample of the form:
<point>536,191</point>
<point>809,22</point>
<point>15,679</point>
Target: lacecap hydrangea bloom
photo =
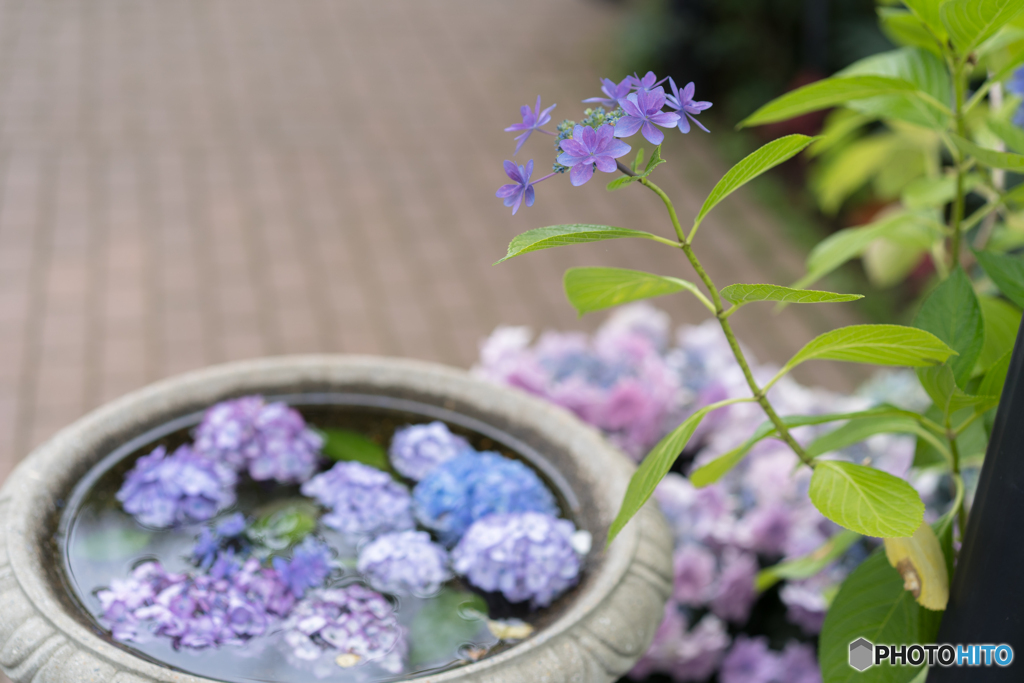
<point>417,449</point>
<point>473,485</point>
<point>353,620</point>
<point>523,556</point>
<point>269,440</point>
<point>363,501</point>
<point>163,490</point>
<point>404,563</point>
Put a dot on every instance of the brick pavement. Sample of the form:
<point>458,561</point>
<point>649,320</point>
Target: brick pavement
<point>192,182</point>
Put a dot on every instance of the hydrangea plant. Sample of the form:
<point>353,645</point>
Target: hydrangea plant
<point>958,346</point>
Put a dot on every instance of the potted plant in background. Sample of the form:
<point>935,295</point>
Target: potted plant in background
<point>942,87</point>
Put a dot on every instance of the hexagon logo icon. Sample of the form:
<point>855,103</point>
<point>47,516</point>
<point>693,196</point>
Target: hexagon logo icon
<point>862,654</point>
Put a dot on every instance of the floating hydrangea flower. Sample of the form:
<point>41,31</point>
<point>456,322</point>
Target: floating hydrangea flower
<point>417,449</point>
<point>308,568</point>
<point>404,563</point>
<point>211,542</point>
<point>532,120</point>
<point>162,490</point>
<point>643,111</point>
<point>363,501</point>
<point>473,485</point>
<point>229,605</point>
<point>682,100</point>
<point>346,621</point>
<point>270,440</point>
<point>524,556</point>
<point>613,92</point>
<point>588,148</point>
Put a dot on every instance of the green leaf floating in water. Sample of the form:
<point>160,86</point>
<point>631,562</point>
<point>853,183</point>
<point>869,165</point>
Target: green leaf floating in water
<point>112,544</point>
<point>283,523</point>
<point>446,623</point>
<point>346,445</point>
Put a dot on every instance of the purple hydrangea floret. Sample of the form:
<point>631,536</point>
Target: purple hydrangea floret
<point>473,485</point>
<point>363,500</point>
<point>211,541</point>
<point>270,440</point>
<point>613,92</point>
<point>185,487</point>
<point>405,563</point>
<point>417,449</point>
<point>588,148</point>
<point>524,556</point>
<point>643,111</point>
<point>351,620</point>
<point>532,120</point>
<point>309,567</point>
<point>682,101</point>
<point>646,83</point>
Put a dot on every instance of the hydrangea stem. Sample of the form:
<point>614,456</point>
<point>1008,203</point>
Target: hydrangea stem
<point>957,216</point>
<point>720,313</point>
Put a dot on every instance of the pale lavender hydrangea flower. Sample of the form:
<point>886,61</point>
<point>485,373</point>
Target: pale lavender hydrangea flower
<point>735,593</point>
<point>162,490</point>
<point>694,575</point>
<point>685,655</point>
<point>308,568</point>
<point>363,501</point>
<point>524,556</point>
<point>520,188</point>
<point>613,92</point>
<point>473,485</point>
<point>404,563</point>
<point>750,661</point>
<point>643,112</point>
<point>588,148</point>
<point>270,440</point>
<point>646,83</point>
<point>351,620</point>
<point>417,449</point>
<point>682,101</point>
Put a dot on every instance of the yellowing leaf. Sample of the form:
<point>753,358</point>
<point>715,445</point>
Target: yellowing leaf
<point>920,562</point>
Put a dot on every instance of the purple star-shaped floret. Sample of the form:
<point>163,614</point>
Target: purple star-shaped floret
<point>588,147</point>
<point>613,92</point>
<point>532,120</point>
<point>643,111</point>
<point>682,100</point>
<point>648,83</point>
<point>513,193</point>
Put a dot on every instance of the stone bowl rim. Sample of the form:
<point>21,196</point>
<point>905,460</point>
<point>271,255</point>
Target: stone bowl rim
<point>30,495</point>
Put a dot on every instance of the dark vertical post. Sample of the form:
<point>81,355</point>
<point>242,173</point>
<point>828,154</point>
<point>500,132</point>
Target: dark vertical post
<point>986,598</point>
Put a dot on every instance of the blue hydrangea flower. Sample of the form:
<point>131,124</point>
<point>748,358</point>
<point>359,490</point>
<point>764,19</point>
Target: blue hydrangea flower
<point>682,101</point>
<point>588,148</point>
<point>162,490</point>
<point>405,563</point>
<point>308,568</point>
<point>363,501</point>
<point>532,120</point>
<point>270,440</point>
<point>643,111</point>
<point>352,620</point>
<point>523,556</point>
<point>520,188</point>
<point>211,541</point>
<point>613,92</point>
<point>473,485</point>
<point>417,449</point>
